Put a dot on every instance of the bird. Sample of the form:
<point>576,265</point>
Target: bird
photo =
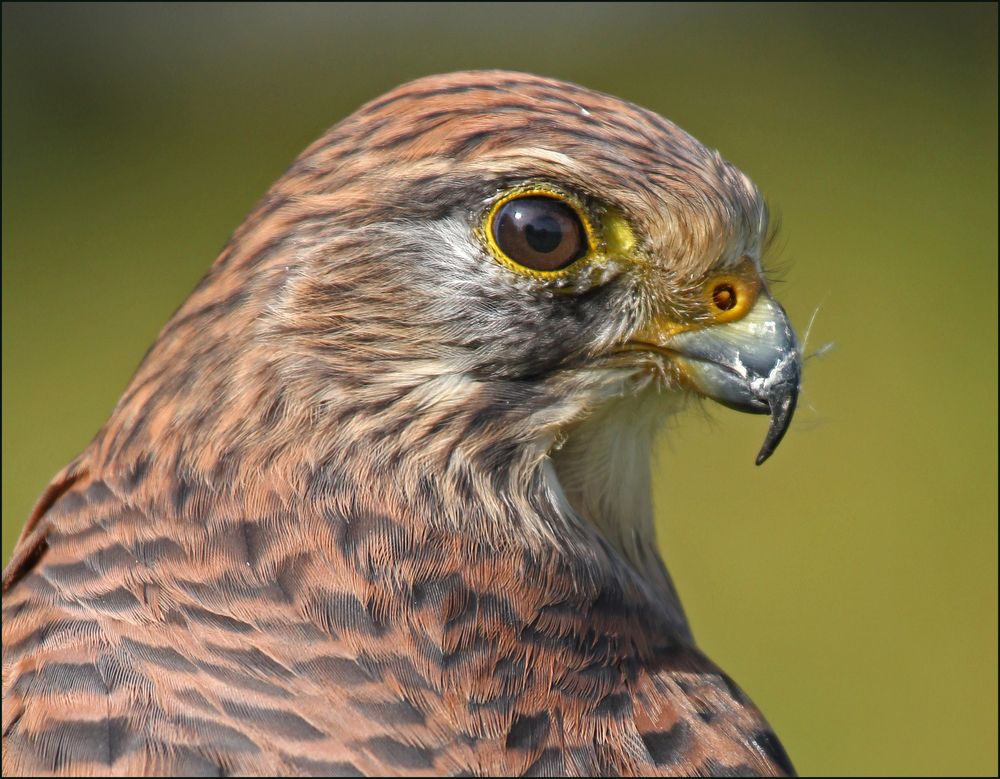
<point>377,499</point>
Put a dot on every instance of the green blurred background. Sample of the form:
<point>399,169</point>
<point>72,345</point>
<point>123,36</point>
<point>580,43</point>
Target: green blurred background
<point>850,585</point>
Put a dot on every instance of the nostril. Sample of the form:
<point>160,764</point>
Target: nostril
<point>724,297</point>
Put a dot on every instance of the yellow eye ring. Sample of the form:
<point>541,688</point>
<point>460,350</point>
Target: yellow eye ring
<point>571,208</point>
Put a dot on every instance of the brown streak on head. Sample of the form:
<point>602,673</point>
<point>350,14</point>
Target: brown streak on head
<point>304,305</point>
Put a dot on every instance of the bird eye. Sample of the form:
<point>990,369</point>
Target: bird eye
<point>539,232</point>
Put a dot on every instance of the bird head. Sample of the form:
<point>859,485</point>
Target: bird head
<point>478,282</point>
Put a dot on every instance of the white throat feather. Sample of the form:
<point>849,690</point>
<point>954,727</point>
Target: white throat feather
<point>604,472</point>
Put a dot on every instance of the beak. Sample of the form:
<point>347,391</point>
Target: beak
<point>751,364</point>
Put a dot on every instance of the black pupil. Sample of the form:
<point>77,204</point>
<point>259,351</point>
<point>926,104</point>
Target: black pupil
<point>544,234</point>
<point>539,232</point>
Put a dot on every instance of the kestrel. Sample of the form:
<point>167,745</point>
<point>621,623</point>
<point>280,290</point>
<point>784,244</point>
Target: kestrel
<point>377,501</point>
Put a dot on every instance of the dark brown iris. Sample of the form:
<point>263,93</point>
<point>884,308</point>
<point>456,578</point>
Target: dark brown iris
<point>724,297</point>
<point>539,232</point>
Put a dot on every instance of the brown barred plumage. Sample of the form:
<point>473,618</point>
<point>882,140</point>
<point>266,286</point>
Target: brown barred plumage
<point>359,511</point>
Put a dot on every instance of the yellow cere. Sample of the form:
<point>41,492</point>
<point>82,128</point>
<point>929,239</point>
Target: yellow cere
<point>730,296</point>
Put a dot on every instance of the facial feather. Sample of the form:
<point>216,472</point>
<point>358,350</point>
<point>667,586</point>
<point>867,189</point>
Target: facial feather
<point>386,342</point>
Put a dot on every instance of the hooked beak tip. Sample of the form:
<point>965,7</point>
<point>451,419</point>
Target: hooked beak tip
<point>782,399</point>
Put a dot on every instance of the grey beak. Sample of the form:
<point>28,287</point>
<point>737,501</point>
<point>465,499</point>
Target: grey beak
<point>752,364</point>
